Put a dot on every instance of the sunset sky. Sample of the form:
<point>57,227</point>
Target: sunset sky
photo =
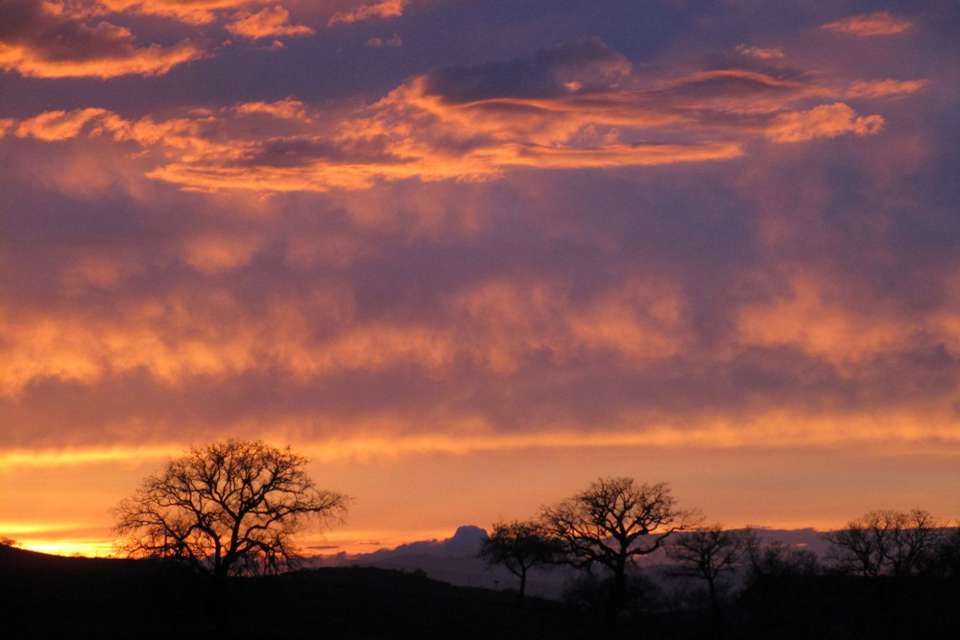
<point>469,255</point>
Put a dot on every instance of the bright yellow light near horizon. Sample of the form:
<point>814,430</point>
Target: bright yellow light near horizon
<point>85,548</point>
<point>349,541</point>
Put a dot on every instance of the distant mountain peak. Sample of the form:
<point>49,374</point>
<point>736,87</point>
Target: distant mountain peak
<point>465,541</point>
<point>469,532</point>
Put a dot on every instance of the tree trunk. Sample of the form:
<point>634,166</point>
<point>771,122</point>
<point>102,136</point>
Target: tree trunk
<point>716,617</point>
<point>617,593</point>
<point>523,583</point>
<point>218,600</point>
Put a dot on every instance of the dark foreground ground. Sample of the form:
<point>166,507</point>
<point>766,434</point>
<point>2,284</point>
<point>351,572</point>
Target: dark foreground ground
<point>51,597</point>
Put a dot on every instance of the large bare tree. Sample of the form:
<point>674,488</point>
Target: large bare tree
<point>887,542</point>
<point>227,508</point>
<point>612,523</point>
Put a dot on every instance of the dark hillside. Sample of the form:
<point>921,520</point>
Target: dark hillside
<point>48,596</point>
<point>45,596</point>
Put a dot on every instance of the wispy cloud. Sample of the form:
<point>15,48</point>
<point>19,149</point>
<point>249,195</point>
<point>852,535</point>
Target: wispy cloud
<point>884,88</point>
<point>576,106</point>
<point>825,121</point>
<point>195,12</point>
<point>383,10</point>
<point>760,53</point>
<point>879,23</point>
<point>271,22</point>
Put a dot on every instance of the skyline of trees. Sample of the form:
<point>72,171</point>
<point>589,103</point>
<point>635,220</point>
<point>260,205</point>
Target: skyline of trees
<point>234,507</point>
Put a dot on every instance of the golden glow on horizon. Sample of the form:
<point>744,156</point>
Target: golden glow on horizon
<point>336,541</point>
<point>100,548</point>
<point>332,542</point>
<point>774,431</point>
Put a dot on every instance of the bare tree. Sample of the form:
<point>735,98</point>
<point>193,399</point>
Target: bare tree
<point>519,546</point>
<point>777,559</point>
<point>708,553</point>
<point>227,508</point>
<point>946,560</point>
<point>888,542</point>
<point>613,522</point>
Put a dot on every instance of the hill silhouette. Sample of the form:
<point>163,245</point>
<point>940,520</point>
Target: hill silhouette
<point>47,596</point>
<point>44,596</point>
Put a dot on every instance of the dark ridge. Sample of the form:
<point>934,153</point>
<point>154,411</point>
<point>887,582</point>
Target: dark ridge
<point>44,596</point>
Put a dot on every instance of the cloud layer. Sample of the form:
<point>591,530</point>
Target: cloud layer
<point>527,231</point>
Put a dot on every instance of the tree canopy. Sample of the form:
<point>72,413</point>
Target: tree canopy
<point>230,507</point>
<point>613,522</point>
<point>519,546</point>
<point>886,542</point>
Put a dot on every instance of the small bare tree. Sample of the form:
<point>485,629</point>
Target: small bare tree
<point>896,543</point>
<point>227,508</point>
<point>519,546</point>
<point>776,558</point>
<point>708,553</point>
<point>946,560</point>
<point>611,524</point>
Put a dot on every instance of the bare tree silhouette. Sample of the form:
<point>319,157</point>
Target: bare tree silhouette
<point>888,542</point>
<point>227,508</point>
<point>613,522</point>
<point>776,559</point>
<point>519,546</point>
<point>708,553</point>
<point>946,560</point>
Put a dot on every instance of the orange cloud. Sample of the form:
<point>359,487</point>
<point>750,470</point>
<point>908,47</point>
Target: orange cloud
<point>147,61</point>
<point>884,88</point>
<point>825,121</point>
<point>180,337</point>
<point>196,12</point>
<point>271,22</point>
<point>289,109</point>
<point>377,439</point>
<point>215,253</point>
<point>575,106</point>
<point>728,102</point>
<point>383,10</point>
<point>58,125</point>
<point>641,321</point>
<point>46,43</point>
<point>281,147</point>
<point>880,23</point>
<point>96,272</point>
<point>816,318</point>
